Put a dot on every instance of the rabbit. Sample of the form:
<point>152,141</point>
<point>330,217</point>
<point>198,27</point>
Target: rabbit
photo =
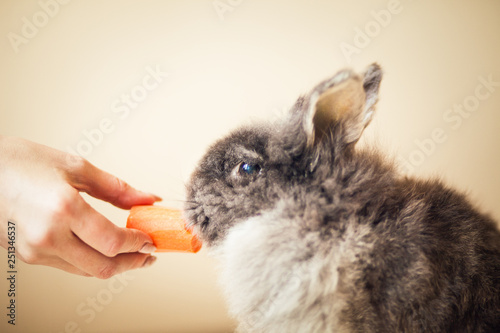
<point>315,235</point>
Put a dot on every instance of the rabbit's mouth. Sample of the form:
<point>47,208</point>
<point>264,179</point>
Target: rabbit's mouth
<point>204,222</point>
<point>195,215</point>
<point>209,222</point>
<point>197,218</point>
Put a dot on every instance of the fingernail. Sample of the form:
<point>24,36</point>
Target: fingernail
<point>154,196</point>
<point>148,248</point>
<point>157,198</point>
<point>149,261</point>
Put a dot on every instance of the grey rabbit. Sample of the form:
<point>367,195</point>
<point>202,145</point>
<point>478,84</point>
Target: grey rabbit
<point>315,235</point>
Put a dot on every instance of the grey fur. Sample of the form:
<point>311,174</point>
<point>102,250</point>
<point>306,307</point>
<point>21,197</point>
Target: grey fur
<point>322,237</point>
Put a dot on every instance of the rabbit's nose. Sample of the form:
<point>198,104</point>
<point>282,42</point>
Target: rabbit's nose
<point>204,222</point>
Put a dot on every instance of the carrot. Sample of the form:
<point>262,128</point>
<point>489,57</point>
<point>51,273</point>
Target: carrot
<point>165,226</point>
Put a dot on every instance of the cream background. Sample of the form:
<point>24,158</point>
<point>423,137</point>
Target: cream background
<point>222,73</point>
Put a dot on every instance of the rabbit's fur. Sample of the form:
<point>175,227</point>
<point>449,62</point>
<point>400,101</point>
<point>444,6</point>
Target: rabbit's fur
<point>316,236</point>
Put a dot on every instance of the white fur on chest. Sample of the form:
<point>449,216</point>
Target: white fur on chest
<point>279,278</point>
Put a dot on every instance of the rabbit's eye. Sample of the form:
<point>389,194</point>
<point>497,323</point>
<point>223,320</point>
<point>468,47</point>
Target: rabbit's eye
<point>243,173</point>
<point>248,168</point>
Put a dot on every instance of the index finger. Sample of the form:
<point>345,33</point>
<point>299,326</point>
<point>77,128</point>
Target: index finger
<point>86,177</point>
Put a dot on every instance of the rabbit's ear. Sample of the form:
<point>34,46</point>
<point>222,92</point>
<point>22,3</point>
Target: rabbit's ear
<point>343,105</point>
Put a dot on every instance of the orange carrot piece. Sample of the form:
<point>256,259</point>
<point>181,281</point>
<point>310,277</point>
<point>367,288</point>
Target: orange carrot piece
<point>165,226</point>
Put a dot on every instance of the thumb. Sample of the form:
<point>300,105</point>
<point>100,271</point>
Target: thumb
<point>85,177</point>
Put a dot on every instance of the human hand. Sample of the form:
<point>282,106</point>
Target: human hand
<point>55,226</point>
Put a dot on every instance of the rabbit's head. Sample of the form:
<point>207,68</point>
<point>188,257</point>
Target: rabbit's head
<point>254,167</point>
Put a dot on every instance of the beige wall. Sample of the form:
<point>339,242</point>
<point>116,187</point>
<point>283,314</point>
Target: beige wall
<point>68,75</point>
